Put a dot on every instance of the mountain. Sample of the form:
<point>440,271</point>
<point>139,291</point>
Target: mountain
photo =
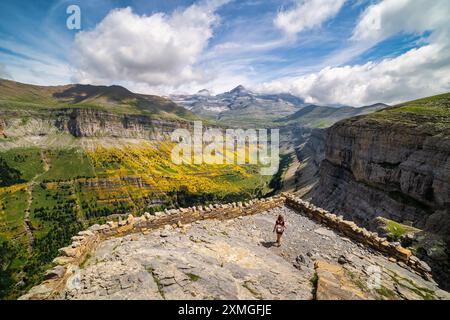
<point>389,170</point>
<point>112,99</point>
<point>241,106</point>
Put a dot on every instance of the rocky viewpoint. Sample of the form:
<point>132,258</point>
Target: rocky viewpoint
<point>237,259</point>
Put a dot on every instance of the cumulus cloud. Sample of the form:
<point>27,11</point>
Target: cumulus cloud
<point>307,14</point>
<point>419,72</point>
<point>155,50</point>
<point>382,20</point>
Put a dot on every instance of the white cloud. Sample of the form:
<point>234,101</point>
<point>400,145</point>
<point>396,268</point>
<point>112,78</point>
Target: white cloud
<point>382,20</point>
<point>307,14</point>
<point>419,72</point>
<point>31,66</point>
<point>155,50</point>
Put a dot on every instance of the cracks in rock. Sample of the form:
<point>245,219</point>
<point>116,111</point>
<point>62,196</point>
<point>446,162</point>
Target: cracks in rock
<point>157,281</point>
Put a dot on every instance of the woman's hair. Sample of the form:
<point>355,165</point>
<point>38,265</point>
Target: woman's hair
<point>280,218</point>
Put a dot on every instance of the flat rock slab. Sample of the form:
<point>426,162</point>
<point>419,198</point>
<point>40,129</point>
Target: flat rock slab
<point>325,232</point>
<point>237,259</point>
<point>333,283</point>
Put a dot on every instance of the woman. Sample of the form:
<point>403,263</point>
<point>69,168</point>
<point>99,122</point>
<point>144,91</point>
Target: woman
<point>279,229</point>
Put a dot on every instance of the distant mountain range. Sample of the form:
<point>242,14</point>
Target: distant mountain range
<point>241,106</point>
<point>238,107</point>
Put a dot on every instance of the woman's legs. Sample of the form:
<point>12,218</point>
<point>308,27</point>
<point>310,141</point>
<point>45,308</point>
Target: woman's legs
<point>279,239</point>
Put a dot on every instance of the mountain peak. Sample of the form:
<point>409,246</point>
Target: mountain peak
<point>204,92</point>
<point>240,90</point>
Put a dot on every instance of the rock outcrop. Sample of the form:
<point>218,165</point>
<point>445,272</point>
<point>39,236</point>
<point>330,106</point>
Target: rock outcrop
<point>139,258</point>
<point>84,243</point>
<point>334,284</point>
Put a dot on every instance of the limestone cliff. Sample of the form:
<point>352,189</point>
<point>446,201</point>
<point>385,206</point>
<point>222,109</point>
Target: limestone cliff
<point>89,123</point>
<point>394,164</point>
<point>396,172</point>
<point>85,122</point>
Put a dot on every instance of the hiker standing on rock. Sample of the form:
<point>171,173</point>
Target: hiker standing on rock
<point>279,229</point>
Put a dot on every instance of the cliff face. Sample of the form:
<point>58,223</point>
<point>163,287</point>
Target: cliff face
<point>395,171</point>
<point>394,164</point>
<point>309,156</point>
<point>94,123</point>
<point>87,123</point>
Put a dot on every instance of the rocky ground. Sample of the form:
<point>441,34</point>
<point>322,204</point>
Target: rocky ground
<point>237,259</point>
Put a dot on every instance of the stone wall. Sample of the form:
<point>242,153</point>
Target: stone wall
<point>361,235</point>
<point>72,256</point>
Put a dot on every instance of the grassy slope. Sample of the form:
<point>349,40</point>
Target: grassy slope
<point>323,117</point>
<point>114,99</point>
<point>27,161</point>
<point>432,114</point>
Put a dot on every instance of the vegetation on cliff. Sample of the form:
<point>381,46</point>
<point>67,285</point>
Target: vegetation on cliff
<point>432,114</point>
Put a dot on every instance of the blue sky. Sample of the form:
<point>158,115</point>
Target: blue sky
<point>341,51</point>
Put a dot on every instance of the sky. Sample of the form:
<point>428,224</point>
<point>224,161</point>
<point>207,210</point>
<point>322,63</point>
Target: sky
<point>350,52</point>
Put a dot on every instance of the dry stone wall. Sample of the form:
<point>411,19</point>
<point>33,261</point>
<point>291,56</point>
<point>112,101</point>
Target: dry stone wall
<point>362,235</point>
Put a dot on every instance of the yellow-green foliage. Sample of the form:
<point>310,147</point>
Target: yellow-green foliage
<point>153,166</point>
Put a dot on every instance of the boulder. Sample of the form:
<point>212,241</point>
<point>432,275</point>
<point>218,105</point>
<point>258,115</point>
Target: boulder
<point>62,260</point>
<point>147,216</point>
<point>56,272</point>
<point>130,219</point>
<point>343,259</point>
<point>402,253</point>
